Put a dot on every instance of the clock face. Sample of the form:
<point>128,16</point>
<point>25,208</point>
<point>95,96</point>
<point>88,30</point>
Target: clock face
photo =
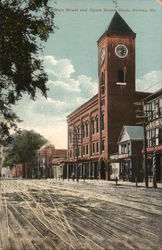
<point>102,55</point>
<point>121,50</point>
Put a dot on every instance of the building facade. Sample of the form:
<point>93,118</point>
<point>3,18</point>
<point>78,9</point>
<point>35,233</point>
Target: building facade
<point>94,128</point>
<point>17,171</point>
<point>59,168</point>
<point>153,109</point>
<point>47,154</point>
<point>127,163</point>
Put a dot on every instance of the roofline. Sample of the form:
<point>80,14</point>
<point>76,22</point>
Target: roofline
<point>143,93</point>
<point>153,95</point>
<point>123,129</point>
<point>82,106</point>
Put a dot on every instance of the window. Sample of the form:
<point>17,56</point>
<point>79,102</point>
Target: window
<point>93,127</point>
<point>160,106</point>
<point>149,141</point>
<point>152,137</point>
<point>87,149</point>
<point>102,83</point>
<point>83,150</point>
<point>148,111</point>
<point>122,149</point>
<point>70,154</point>
<point>70,136</point>
<point>102,122</point>
<point>93,148</point>
<point>160,136</point>
<point>77,151</point>
<point>97,124</point>
<point>87,129</point>
<point>125,148</point>
<point>121,75</point>
<point>103,145</point>
<point>83,130</point>
<point>97,147</point>
<point>153,110</point>
<point>78,132</point>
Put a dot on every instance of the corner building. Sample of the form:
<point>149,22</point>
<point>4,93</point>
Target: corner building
<point>94,127</point>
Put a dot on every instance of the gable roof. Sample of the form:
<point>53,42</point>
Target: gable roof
<point>118,25</point>
<point>134,132</point>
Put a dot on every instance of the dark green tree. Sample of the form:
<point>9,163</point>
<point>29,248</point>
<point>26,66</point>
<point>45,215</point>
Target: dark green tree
<point>24,27</point>
<point>23,149</point>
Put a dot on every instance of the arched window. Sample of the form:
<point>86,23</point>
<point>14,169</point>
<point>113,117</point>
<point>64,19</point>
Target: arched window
<point>102,83</point>
<point>86,129</point>
<point>121,75</point>
<point>79,136</point>
<point>96,124</point>
<point>93,126</point>
<point>70,136</point>
<point>83,130</point>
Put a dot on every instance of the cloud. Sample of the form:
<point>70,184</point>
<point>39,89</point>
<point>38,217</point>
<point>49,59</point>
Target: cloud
<point>66,93</point>
<point>150,82</point>
<point>61,68</point>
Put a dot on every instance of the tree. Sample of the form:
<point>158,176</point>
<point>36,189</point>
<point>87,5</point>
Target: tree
<point>24,26</point>
<point>23,149</point>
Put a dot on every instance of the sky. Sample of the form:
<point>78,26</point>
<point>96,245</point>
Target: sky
<point>71,60</point>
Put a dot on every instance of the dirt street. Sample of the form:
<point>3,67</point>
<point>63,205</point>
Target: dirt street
<point>44,214</point>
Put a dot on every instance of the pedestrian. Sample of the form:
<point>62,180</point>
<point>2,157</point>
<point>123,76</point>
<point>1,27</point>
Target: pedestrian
<point>73,176</point>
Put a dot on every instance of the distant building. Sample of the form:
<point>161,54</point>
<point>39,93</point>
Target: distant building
<point>153,108</point>
<point>94,127</point>
<point>59,168</point>
<point>17,171</point>
<point>46,155</point>
<point>6,172</point>
<point>127,163</point>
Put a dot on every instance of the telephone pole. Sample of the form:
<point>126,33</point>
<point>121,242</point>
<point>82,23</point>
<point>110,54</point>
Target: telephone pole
<point>154,163</point>
<point>76,144</point>
<point>140,114</point>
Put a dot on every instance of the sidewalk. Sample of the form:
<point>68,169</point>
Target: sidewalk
<point>140,184</point>
<point>111,182</point>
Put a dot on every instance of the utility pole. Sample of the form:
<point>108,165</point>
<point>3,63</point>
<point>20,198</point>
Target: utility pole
<point>154,163</point>
<point>76,144</point>
<point>140,111</point>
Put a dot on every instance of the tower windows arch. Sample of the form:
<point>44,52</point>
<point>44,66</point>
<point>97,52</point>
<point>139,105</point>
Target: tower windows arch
<point>102,82</point>
<point>102,121</point>
<point>121,75</point>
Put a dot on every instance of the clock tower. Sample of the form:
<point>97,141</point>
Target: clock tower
<point>116,51</point>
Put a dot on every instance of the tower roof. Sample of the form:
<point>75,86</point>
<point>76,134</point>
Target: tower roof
<point>118,25</point>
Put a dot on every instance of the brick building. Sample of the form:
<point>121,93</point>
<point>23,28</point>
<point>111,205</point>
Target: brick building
<point>46,156</point>
<point>17,171</point>
<point>94,127</point>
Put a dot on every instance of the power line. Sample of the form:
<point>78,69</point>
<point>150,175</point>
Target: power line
<point>156,83</point>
